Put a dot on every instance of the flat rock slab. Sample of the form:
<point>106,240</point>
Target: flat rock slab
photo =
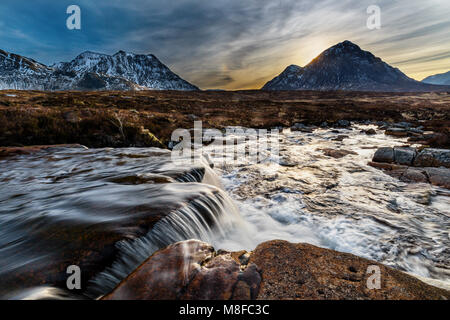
<point>274,270</point>
<point>337,153</point>
<point>304,271</point>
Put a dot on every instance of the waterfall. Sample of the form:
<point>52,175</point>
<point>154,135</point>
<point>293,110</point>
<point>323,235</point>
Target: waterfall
<point>212,213</point>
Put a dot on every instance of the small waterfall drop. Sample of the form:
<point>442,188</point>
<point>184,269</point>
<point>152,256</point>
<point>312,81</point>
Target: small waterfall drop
<point>211,214</point>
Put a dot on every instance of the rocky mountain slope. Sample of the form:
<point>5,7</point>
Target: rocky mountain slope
<point>346,67</point>
<point>440,79</point>
<point>90,71</point>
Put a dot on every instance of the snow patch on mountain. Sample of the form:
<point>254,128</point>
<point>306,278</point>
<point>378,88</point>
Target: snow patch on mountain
<point>90,71</point>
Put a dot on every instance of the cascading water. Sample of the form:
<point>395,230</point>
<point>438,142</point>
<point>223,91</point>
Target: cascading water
<point>105,210</point>
<point>204,218</point>
<point>108,210</point>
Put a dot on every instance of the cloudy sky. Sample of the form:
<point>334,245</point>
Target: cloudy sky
<point>231,44</point>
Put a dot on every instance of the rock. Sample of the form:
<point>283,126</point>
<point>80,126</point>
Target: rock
<point>385,154</point>
<point>337,153</point>
<point>404,156</point>
<point>274,270</point>
<point>405,125</point>
<point>414,175</point>
<point>343,123</point>
<point>431,157</point>
<point>387,166</point>
<point>190,270</point>
<point>415,130</point>
<point>439,176</point>
<point>397,132</point>
<point>12,151</point>
<point>340,137</point>
<point>370,132</point>
<point>304,271</point>
<point>303,128</point>
<point>324,124</point>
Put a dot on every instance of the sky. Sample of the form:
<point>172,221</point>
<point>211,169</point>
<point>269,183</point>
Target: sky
<point>231,44</point>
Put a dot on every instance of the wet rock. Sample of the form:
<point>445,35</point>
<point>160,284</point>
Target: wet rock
<point>431,157</point>
<point>404,156</point>
<point>274,270</point>
<point>12,151</point>
<point>337,153</point>
<point>303,128</point>
<point>370,132</point>
<point>396,132</point>
<point>189,270</point>
<point>439,176</point>
<point>303,271</point>
<point>340,137</point>
<point>405,125</point>
<point>387,166</point>
<point>343,123</point>
<point>384,155</point>
<point>414,175</point>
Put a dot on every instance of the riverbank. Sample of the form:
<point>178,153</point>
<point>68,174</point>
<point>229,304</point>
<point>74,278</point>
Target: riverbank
<point>148,118</point>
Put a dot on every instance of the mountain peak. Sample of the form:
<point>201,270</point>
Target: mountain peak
<point>345,47</point>
<point>345,66</point>
<point>90,71</point>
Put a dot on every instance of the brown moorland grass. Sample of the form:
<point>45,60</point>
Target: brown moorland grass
<point>148,118</point>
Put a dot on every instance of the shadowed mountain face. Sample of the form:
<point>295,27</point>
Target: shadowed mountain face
<point>90,71</point>
<point>440,79</point>
<point>346,67</point>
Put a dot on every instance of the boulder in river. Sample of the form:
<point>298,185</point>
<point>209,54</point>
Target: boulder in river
<point>431,157</point>
<point>404,155</point>
<point>384,155</point>
<point>429,165</point>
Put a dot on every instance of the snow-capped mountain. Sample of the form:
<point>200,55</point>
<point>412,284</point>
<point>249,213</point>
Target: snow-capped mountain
<point>90,71</point>
<point>144,70</point>
<point>346,67</point>
<point>441,79</point>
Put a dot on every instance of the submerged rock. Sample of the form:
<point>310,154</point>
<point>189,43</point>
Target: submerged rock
<point>337,153</point>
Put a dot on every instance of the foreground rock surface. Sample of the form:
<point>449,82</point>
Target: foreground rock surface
<point>274,270</point>
<point>190,270</point>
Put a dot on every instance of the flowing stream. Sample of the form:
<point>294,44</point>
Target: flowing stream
<point>107,210</point>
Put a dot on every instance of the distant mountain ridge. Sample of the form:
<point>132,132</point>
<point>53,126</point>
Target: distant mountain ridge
<point>440,79</point>
<point>345,66</point>
<point>90,71</point>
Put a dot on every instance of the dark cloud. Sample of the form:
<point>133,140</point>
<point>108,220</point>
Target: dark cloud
<point>226,43</point>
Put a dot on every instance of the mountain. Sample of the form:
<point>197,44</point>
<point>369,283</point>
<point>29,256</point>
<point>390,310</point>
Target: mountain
<point>346,67</point>
<point>90,71</point>
<point>441,79</point>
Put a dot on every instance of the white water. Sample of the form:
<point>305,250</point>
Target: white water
<point>300,195</point>
<point>341,204</point>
